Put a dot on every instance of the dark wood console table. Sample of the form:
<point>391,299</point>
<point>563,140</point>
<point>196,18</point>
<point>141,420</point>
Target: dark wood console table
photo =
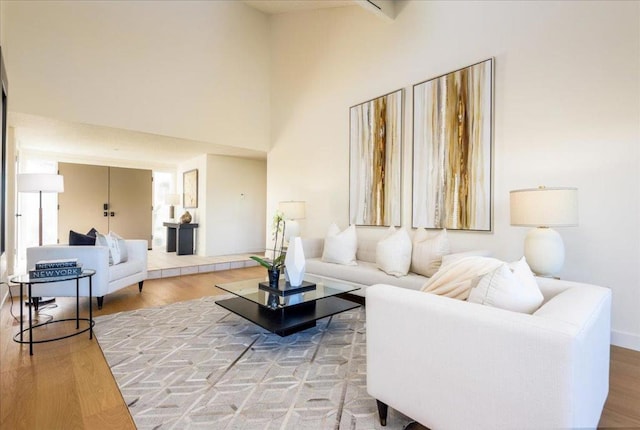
<point>182,235</point>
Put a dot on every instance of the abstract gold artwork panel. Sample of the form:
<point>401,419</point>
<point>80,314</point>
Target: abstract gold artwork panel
<point>375,161</point>
<point>452,140</point>
<point>190,189</point>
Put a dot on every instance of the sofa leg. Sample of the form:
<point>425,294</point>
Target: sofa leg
<point>140,285</point>
<point>382,412</point>
<point>100,302</point>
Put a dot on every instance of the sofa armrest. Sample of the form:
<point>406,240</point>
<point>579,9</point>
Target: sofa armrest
<point>91,257</point>
<point>312,247</point>
<point>452,364</point>
<point>137,250</point>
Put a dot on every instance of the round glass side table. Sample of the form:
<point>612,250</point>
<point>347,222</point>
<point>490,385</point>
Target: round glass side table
<point>25,279</point>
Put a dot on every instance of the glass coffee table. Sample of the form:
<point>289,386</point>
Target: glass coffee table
<point>285,314</point>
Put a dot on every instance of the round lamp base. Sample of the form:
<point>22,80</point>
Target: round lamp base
<point>544,251</point>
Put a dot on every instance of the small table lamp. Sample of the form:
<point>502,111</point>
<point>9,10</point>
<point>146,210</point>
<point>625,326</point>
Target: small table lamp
<point>292,211</point>
<point>172,200</point>
<point>544,208</point>
<point>40,183</point>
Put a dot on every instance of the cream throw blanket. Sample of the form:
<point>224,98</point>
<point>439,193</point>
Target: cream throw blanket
<point>455,279</point>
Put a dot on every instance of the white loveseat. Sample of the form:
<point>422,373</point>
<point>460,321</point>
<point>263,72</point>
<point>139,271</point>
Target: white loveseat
<point>108,278</point>
<point>452,364</point>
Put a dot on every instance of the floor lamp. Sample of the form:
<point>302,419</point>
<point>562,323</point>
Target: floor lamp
<point>40,183</point>
<point>544,208</point>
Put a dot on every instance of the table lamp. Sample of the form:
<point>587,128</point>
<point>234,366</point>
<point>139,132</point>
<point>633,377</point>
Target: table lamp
<point>544,208</point>
<point>172,200</point>
<point>292,211</point>
<point>40,183</point>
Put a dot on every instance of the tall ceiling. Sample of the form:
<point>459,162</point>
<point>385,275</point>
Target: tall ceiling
<point>151,84</point>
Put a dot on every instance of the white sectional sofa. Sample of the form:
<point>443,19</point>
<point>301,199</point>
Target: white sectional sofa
<point>366,272</point>
<point>108,278</point>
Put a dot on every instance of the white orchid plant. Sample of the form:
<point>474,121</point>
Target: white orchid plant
<point>277,229</point>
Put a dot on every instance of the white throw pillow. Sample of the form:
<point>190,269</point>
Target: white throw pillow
<point>393,253</point>
<point>524,274</point>
<point>428,252</point>
<point>116,245</point>
<point>103,240</point>
<point>119,248</point>
<point>502,288</point>
<point>340,247</point>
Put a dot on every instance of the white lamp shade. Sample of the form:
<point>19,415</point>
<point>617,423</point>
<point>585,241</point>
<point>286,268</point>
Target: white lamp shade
<point>172,199</point>
<point>40,182</point>
<point>544,207</point>
<point>292,209</point>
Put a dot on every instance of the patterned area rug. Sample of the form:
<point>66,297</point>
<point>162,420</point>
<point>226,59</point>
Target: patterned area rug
<point>195,365</point>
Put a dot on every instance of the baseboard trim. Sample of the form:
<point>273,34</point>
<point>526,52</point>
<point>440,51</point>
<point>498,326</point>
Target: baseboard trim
<point>625,340</point>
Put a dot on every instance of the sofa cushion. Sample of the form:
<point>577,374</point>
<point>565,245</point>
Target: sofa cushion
<point>76,239</point>
<point>428,252</point>
<point>365,273</point>
<point>367,249</point>
<point>393,253</point>
<point>340,247</point>
<point>122,270</point>
<point>503,288</point>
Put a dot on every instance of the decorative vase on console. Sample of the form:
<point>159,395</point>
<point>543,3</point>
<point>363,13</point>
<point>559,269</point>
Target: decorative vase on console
<point>185,218</point>
<point>294,262</point>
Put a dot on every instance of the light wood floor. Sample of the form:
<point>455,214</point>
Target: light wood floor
<point>68,385</point>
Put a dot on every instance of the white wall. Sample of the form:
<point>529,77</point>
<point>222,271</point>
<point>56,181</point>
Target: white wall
<point>567,109</point>
<point>188,69</point>
<point>236,202</point>
<point>231,204</point>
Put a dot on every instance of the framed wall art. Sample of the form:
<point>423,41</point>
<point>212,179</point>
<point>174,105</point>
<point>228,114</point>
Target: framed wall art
<point>375,161</point>
<point>190,189</point>
<point>3,154</point>
<point>452,144</point>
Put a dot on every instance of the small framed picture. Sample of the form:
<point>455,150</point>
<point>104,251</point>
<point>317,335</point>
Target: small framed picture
<point>190,189</point>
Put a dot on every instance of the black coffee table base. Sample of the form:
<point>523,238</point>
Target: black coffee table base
<point>290,319</point>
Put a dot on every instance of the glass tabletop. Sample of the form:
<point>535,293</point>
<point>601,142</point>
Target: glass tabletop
<point>26,279</point>
<point>250,290</point>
